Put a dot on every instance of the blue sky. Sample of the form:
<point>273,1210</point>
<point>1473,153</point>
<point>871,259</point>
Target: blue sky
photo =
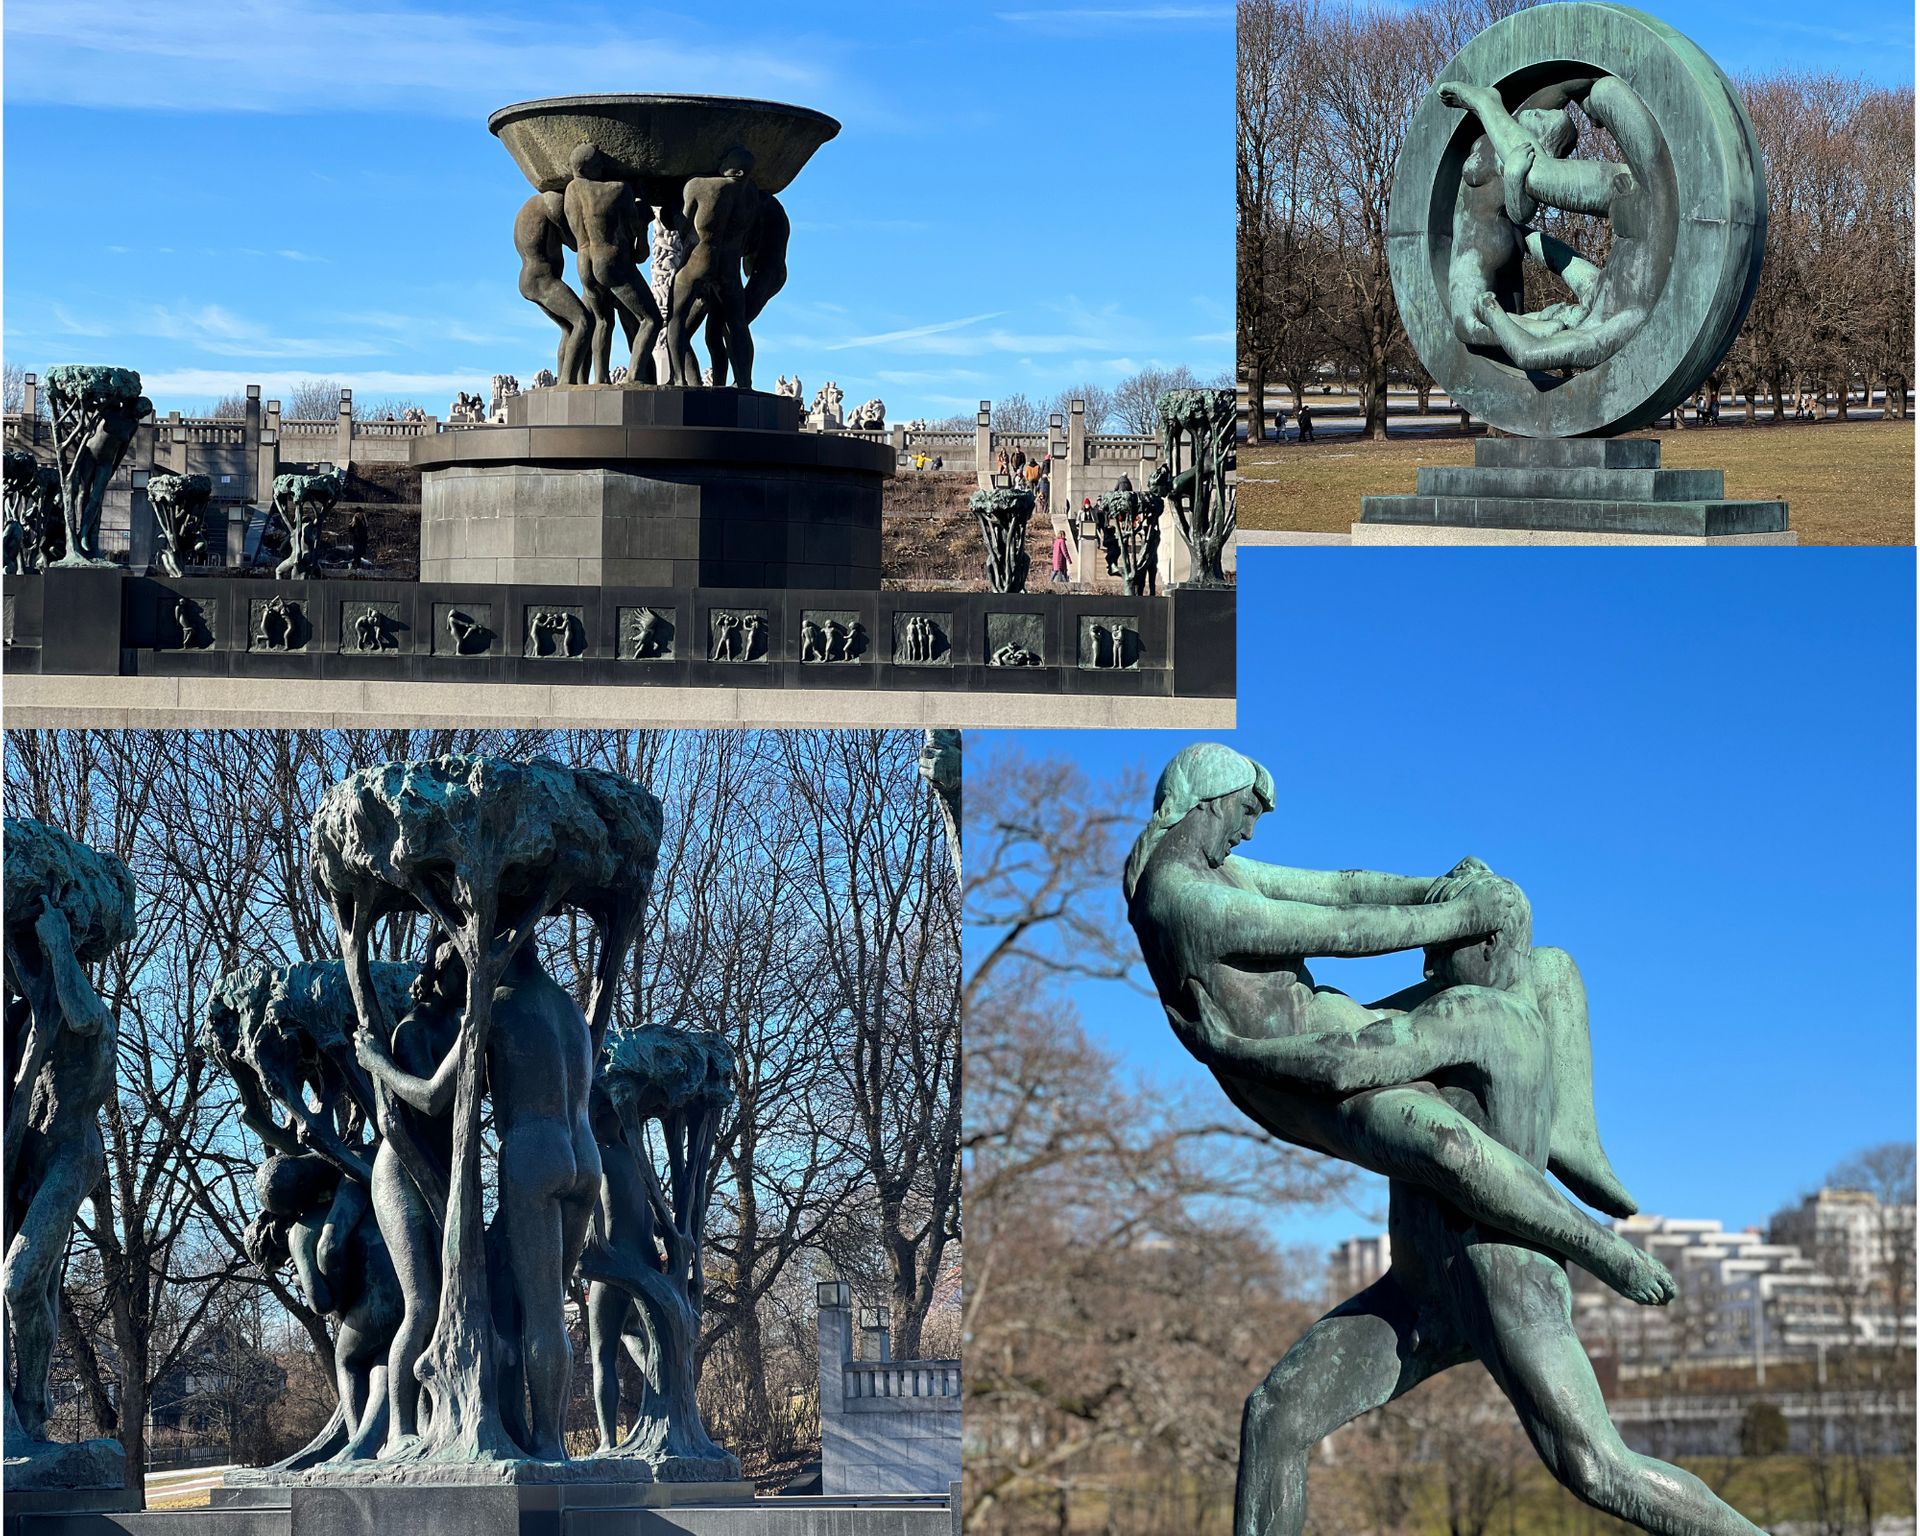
<point>1022,197</point>
<point>1698,765</point>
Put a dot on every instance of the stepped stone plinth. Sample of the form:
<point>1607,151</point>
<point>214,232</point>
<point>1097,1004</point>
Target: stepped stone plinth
<point>1575,485</point>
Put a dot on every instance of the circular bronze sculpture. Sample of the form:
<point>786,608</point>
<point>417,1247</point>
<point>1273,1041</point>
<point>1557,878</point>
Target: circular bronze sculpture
<point>1489,149</point>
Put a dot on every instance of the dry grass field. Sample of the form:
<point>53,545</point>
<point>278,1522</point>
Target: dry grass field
<point>1846,482</point>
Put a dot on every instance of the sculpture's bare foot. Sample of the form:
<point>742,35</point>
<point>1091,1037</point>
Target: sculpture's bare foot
<point>1467,98</point>
<point>404,1448</point>
<point>1635,1273</point>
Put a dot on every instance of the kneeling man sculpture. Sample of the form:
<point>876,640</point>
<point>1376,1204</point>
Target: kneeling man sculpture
<point>1464,1090</point>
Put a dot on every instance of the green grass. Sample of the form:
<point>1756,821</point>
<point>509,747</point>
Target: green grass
<point>1845,482</point>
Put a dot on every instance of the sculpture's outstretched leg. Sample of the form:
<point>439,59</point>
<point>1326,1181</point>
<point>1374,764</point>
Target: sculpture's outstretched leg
<point>1577,1158</point>
<point>1526,1338</point>
<point>1361,1355</point>
<point>1413,1134</point>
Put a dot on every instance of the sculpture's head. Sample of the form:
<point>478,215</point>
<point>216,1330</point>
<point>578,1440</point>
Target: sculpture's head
<point>736,162</point>
<point>1550,127</point>
<point>586,160</point>
<point>1502,959</point>
<point>1226,791</point>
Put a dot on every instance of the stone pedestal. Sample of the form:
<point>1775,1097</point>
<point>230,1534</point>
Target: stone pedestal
<point>660,487</point>
<point>1603,489</point>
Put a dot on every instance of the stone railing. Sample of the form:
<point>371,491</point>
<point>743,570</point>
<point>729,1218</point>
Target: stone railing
<point>394,428</point>
<point>1112,445</point>
<point>291,427</point>
<point>868,1379</point>
<point>939,439</point>
<point>219,431</point>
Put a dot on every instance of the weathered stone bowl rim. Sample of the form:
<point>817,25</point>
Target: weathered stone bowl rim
<point>547,104</point>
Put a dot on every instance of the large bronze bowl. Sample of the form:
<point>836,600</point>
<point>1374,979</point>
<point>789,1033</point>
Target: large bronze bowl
<point>660,140</point>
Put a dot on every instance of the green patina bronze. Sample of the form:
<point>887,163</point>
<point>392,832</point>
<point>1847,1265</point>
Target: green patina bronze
<point>32,496</point>
<point>486,849</point>
<point>657,1090</point>
<point>68,906</point>
<point>1003,515</point>
<point>1489,148</point>
<point>178,502</point>
<point>1464,1090</point>
<point>302,502</point>
<point>1197,428</point>
<point>95,410</point>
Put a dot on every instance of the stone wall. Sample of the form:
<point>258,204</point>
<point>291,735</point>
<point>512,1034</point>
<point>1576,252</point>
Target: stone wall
<point>886,1426</point>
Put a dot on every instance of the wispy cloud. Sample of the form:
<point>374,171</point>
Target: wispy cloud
<point>913,333</point>
<point>303,256</point>
<point>1082,19</point>
<point>328,56</point>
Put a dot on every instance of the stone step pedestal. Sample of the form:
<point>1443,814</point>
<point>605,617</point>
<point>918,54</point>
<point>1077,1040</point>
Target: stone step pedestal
<point>604,485</point>
<point>1578,489</point>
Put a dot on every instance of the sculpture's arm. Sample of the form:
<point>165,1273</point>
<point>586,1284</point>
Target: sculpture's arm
<point>1330,887</point>
<point>80,1005</point>
<point>1238,922</point>
<point>330,1253</point>
<point>430,1095</point>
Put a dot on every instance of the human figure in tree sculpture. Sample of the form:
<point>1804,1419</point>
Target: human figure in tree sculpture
<point>722,212</point>
<point>32,489</point>
<point>541,235</point>
<point>67,906</point>
<point>95,412</point>
<point>487,849</point>
<point>1462,1090</point>
<point>659,1096</point>
<point>1516,166</point>
<point>177,502</point>
<point>320,1220</point>
<point>538,1070</point>
<point>302,502</point>
<point>282,1034</point>
<point>609,225</point>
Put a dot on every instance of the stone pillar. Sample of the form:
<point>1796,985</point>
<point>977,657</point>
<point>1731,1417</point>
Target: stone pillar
<point>30,402</point>
<point>876,1334</point>
<point>983,446</point>
<point>836,1351</point>
<point>343,447</point>
<point>898,433</point>
<point>1072,486</point>
<point>250,437</point>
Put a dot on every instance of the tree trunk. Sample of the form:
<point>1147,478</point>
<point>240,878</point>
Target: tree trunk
<point>1426,395</point>
<point>1841,395</point>
<point>1779,397</point>
<point>130,1342</point>
<point>1256,400</point>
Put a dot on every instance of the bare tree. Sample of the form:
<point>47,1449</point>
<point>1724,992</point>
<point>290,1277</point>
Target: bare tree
<point>1136,398</point>
<point>1097,399</point>
<point>1017,413</point>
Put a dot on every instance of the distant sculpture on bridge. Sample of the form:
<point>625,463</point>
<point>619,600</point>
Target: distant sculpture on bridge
<point>302,502</point>
<point>32,495</point>
<point>178,502</point>
<point>1199,425</point>
<point>95,412</point>
<point>1003,516</point>
<point>67,906</point>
